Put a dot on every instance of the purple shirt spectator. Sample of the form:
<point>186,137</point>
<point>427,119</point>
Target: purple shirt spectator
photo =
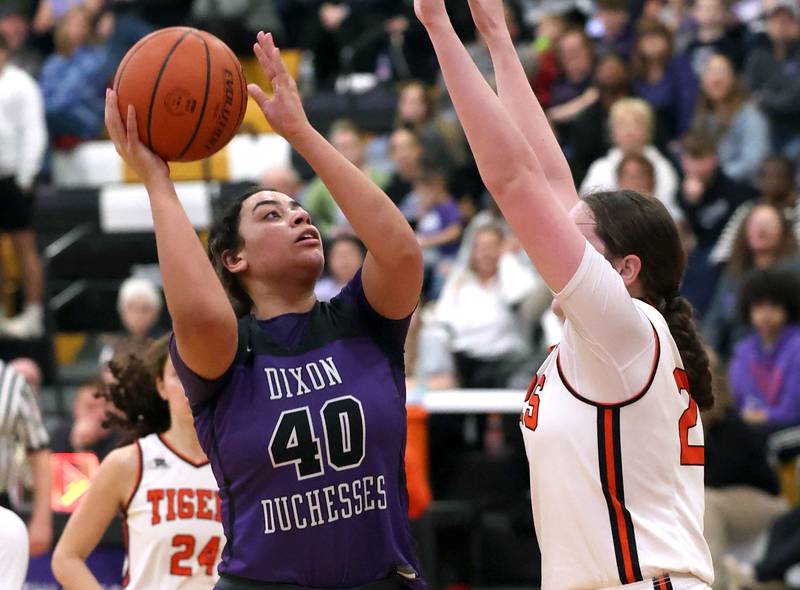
<point>437,219</point>
<point>769,379</point>
<point>672,97</point>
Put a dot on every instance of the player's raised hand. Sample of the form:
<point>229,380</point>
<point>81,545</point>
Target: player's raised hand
<point>430,12</point>
<point>489,17</point>
<point>147,165</point>
<point>284,110</point>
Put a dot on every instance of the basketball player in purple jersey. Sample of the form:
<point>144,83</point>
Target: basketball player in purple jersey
<point>299,405</point>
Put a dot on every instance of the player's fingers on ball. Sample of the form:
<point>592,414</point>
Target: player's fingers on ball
<point>111,115</point>
<point>133,137</point>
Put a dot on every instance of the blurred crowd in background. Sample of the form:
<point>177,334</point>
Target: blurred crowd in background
<point>695,102</point>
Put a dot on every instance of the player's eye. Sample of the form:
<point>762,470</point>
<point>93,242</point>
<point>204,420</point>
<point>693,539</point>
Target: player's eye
<point>271,215</point>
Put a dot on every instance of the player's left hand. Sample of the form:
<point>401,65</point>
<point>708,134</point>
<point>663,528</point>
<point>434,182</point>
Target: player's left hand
<point>284,110</point>
<point>40,535</point>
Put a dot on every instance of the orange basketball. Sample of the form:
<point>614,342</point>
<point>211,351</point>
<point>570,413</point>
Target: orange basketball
<point>188,89</point>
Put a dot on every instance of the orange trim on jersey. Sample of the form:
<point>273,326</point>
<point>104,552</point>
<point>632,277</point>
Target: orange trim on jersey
<point>611,477</point>
<point>662,582</point>
<point>610,464</point>
<point>140,469</point>
<point>179,455</point>
<point>636,397</point>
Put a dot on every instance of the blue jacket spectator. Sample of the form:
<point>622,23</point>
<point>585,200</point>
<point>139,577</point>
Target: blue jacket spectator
<point>74,79</point>
<point>664,81</point>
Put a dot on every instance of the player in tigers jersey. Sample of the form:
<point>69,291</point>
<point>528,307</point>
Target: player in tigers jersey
<point>162,484</point>
<point>612,433</point>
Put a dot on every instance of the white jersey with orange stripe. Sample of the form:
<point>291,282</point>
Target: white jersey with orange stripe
<point>617,488</point>
<point>173,533</point>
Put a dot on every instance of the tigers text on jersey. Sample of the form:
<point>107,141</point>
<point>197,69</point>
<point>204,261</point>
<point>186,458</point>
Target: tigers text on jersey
<point>617,488</point>
<point>306,436</point>
<point>173,533</point>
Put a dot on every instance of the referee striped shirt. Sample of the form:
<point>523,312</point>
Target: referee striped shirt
<point>20,423</point>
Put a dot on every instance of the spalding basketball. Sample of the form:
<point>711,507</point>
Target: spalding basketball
<point>188,90</point>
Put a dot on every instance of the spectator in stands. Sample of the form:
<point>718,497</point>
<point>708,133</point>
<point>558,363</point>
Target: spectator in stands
<point>707,198</point>
<point>589,135</point>
<point>438,224</point>
<point>771,74</point>
<point>50,12</point>
<point>764,240</point>
<point>676,15</point>
<point>29,371</point>
<point>665,81</point>
<point>616,32</point>
<point>715,34</point>
<point>725,112</point>
<point>383,37</point>
<point>636,173</point>
<point>86,431</point>
<point>317,199</point>
<point>741,488</point>
<point>549,30</point>
<point>428,356</point>
<point>15,27</point>
<point>23,139</point>
<point>575,53</point>
<point>442,140</point>
<point>776,186</point>
<point>237,23</point>
<point>781,554</point>
<point>21,426</point>
<point>74,80</point>
<point>478,308</point>
<point>631,122</point>
<point>283,179</point>
<point>765,367</point>
<point>406,153</point>
<point>344,257</point>
<point>139,305</point>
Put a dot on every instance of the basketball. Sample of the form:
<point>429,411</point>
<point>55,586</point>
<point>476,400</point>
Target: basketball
<point>188,89</point>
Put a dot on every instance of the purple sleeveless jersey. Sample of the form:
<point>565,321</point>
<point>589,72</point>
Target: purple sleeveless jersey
<point>306,437</point>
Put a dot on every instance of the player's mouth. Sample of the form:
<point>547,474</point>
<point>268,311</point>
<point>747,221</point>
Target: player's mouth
<point>309,237</point>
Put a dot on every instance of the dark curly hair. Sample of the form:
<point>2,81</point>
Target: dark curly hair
<point>138,407</point>
<point>779,286</point>
<point>224,236</point>
<point>631,223</point>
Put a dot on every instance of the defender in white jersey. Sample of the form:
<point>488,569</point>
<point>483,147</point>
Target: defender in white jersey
<point>162,485</point>
<point>610,423</point>
<point>615,452</point>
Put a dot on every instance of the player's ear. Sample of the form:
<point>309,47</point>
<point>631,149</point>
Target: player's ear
<point>162,391</point>
<point>629,268</point>
<point>234,261</point>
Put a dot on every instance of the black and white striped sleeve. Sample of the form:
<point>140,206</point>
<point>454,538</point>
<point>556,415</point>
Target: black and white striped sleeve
<point>30,428</point>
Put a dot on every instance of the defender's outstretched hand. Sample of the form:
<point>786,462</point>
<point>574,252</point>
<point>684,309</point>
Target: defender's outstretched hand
<point>284,111</point>
<point>147,165</point>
